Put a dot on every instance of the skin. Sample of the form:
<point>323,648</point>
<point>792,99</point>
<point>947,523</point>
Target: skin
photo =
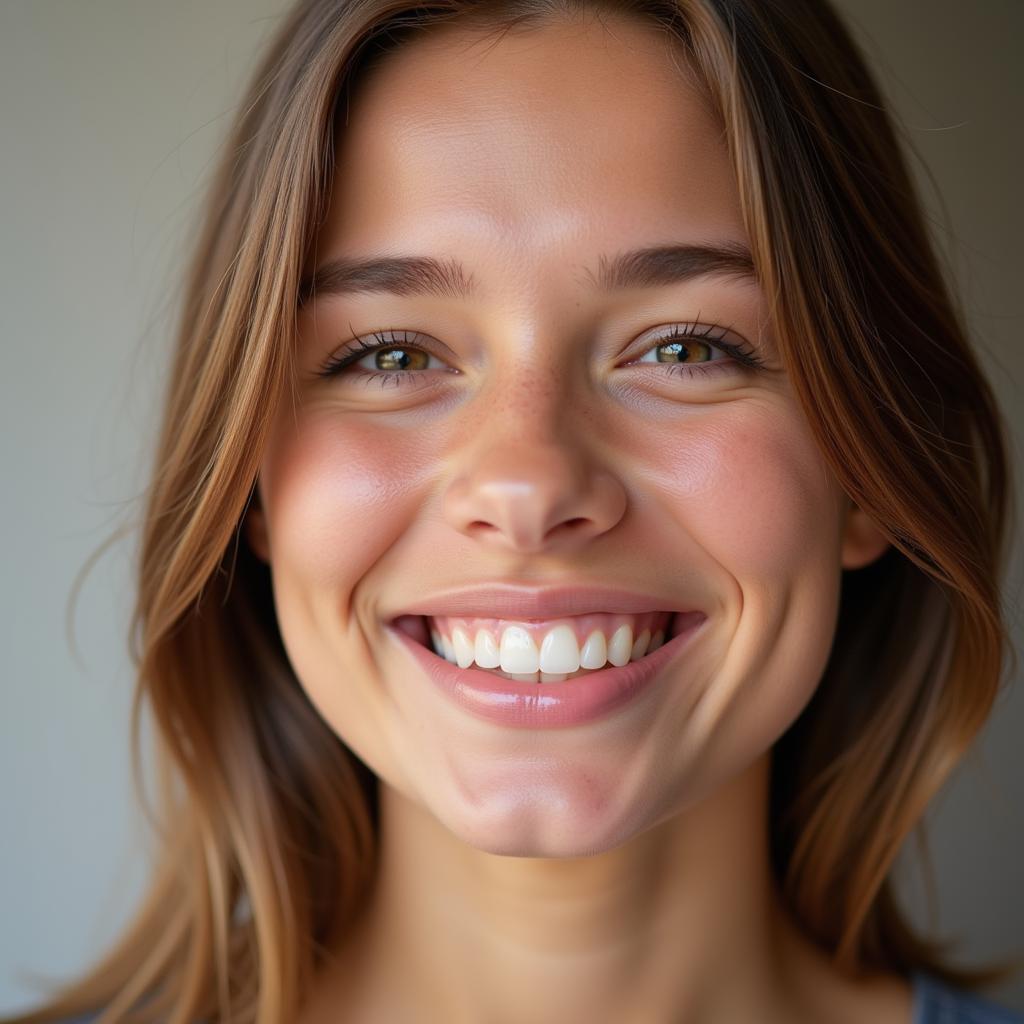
<point>618,870</point>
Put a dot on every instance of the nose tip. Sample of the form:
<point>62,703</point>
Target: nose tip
<point>532,498</point>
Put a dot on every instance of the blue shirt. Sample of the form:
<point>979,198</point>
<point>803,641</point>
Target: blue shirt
<point>934,1003</point>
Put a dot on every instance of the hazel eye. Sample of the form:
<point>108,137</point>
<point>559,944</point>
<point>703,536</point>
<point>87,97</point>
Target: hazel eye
<point>388,360</point>
<point>396,359</point>
<point>689,349</point>
<point>692,351</point>
<point>391,359</point>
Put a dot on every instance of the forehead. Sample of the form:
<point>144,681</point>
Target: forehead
<point>564,136</point>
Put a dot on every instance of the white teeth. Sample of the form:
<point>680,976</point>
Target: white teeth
<point>560,657</point>
<point>559,652</point>
<point>485,650</point>
<point>620,647</point>
<point>518,651</point>
<point>447,649</point>
<point>640,645</point>
<point>464,650</point>
<point>595,651</point>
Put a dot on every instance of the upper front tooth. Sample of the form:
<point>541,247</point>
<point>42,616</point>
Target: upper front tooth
<point>518,651</point>
<point>522,649</point>
<point>559,651</point>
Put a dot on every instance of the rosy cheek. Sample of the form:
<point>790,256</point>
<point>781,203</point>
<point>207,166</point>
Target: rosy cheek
<point>750,488</point>
<point>341,494</point>
<point>344,494</point>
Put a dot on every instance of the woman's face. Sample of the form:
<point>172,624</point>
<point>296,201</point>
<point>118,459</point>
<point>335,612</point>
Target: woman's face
<point>546,433</point>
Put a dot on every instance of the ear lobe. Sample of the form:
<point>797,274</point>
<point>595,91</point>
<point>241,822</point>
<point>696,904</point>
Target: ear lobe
<point>863,541</point>
<point>254,526</point>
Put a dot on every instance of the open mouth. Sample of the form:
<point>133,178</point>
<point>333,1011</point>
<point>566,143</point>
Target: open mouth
<point>546,651</point>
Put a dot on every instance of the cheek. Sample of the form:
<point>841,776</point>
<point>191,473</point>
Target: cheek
<point>753,491</point>
<point>762,503</point>
<point>756,511</point>
<point>753,496</point>
<point>338,499</point>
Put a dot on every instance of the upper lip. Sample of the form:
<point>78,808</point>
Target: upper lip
<point>512,601</point>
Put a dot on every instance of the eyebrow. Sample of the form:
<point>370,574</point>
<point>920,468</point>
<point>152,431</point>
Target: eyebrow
<point>427,275</point>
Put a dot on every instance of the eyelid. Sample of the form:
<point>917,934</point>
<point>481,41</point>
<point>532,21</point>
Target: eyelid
<point>715,335</point>
<point>358,346</point>
<point>740,351</point>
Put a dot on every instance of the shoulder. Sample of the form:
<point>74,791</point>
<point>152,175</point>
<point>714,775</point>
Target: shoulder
<point>935,1002</point>
<point>93,1018</point>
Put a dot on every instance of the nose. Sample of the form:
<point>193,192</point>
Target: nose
<point>532,495</point>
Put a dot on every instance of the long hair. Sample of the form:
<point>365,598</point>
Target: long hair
<point>266,824</point>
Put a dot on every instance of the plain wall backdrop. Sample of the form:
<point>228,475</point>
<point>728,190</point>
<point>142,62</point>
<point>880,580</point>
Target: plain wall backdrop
<point>110,114</point>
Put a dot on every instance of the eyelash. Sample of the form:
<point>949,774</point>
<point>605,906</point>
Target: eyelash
<point>742,355</point>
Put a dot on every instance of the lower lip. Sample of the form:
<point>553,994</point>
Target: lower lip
<point>571,702</point>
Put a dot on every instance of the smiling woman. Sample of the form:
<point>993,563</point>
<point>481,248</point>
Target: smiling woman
<point>572,563</point>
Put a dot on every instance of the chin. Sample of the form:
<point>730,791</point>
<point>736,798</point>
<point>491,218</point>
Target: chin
<point>544,824</point>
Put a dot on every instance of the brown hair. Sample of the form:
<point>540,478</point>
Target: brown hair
<point>267,822</point>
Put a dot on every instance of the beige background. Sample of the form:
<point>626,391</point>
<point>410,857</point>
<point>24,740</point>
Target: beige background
<point>110,112</point>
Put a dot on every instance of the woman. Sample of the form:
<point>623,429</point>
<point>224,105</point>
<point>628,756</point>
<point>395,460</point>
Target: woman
<point>573,559</point>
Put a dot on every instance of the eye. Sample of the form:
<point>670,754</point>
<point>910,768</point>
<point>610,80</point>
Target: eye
<point>392,360</point>
<point>689,349</point>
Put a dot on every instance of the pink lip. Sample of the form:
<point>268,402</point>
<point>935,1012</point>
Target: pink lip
<point>547,705</point>
<point>510,601</point>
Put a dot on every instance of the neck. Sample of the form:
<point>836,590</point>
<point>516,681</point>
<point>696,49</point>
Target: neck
<point>681,922</point>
